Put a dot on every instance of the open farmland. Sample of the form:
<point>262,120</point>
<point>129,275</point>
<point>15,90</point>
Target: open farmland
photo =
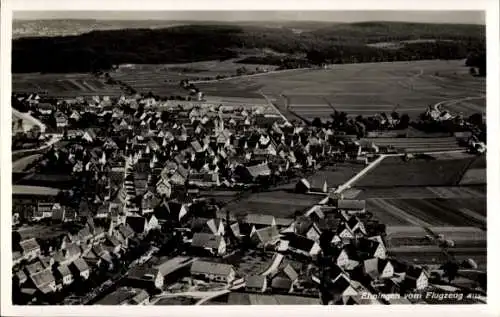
<point>429,211</point>
<point>164,79</point>
<point>366,89</point>
<point>336,175</point>
<point>395,171</point>
<point>63,85</point>
<point>280,204</point>
<point>417,145</point>
<point>423,192</point>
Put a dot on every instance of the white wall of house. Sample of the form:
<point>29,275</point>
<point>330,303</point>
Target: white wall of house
<point>388,271</point>
<point>422,281</point>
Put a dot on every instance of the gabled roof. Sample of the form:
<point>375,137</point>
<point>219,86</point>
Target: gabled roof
<point>137,224</point>
<point>63,270</point>
<point>282,283</point>
<point>29,245</point>
<point>259,219</point>
<point>205,267</point>
<point>414,272</point>
<point>351,204</point>
<point>300,242</point>
<point>255,281</point>
<point>43,278</point>
<point>206,240</point>
<point>375,266</point>
<point>267,234</point>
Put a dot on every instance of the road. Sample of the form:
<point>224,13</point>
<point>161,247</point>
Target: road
<point>274,107</point>
<point>274,266</point>
<point>30,118</point>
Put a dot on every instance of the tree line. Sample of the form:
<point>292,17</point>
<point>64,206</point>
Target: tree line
<point>343,43</point>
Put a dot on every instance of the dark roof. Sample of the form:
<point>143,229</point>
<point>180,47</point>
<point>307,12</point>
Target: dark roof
<point>280,282</point>
<point>414,272</point>
<point>340,284</point>
<point>137,224</point>
<point>206,240</point>
<point>300,242</point>
<point>267,234</point>
<point>81,265</point>
<point>351,204</point>
<point>255,281</point>
<point>202,267</point>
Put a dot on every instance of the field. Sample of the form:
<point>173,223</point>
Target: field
<point>476,174</point>
<point>164,79</point>
<point>366,89</point>
<point>63,85</point>
<point>394,172</point>
<point>423,192</point>
<point>430,211</point>
<point>235,298</point>
<point>19,190</point>
<point>280,204</point>
<point>336,175</point>
<point>417,145</point>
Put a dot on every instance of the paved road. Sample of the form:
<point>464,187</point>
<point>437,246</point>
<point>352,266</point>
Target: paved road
<point>274,266</point>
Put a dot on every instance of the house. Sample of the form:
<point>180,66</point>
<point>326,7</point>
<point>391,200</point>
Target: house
<point>61,120</point>
<point>63,276</point>
<point>44,281</point>
<point>89,135</point>
<point>256,283</point>
<point>369,248</point>
<point>80,268</point>
<point>285,279</point>
<point>416,278</point>
<point>34,267</point>
<point>352,206</point>
<point>164,188</point>
<point>147,277</point>
<point>378,268</point>
<point>45,209</point>
<point>45,108</point>
<point>214,226</point>
<point>214,244</point>
<point>60,214</point>
<point>213,271</point>
<point>306,227</point>
<point>341,290</point>
<point>125,296</point>
<point>251,173</point>
<point>315,184</point>
<point>302,246</point>
<point>265,236</point>
<point>171,210</point>
<point>70,253</point>
<point>205,179</point>
<point>138,224</point>
<point>260,221</point>
<point>30,249</point>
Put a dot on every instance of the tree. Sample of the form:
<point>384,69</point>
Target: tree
<point>476,119</point>
<point>317,122</point>
<point>450,269</point>
<point>404,122</point>
<point>472,71</point>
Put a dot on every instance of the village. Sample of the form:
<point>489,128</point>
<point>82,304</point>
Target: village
<point>155,203</point>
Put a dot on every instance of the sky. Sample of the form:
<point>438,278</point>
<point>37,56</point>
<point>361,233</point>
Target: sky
<point>467,17</point>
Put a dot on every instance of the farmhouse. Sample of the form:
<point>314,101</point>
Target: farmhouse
<point>214,244</point>
<point>213,271</point>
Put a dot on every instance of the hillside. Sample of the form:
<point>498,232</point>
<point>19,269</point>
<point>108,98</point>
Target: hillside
<point>330,43</point>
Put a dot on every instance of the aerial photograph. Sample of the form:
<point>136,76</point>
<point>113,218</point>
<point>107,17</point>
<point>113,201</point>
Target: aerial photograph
<point>248,157</point>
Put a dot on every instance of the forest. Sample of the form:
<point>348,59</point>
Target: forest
<point>336,43</point>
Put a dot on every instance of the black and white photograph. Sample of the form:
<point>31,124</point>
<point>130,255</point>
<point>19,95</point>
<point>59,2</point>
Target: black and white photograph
<point>247,157</point>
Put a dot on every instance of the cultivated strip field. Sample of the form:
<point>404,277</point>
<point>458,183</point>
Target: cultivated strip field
<point>395,172</point>
<point>417,145</point>
<point>164,79</point>
<point>63,85</point>
<point>366,89</point>
<point>423,192</point>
